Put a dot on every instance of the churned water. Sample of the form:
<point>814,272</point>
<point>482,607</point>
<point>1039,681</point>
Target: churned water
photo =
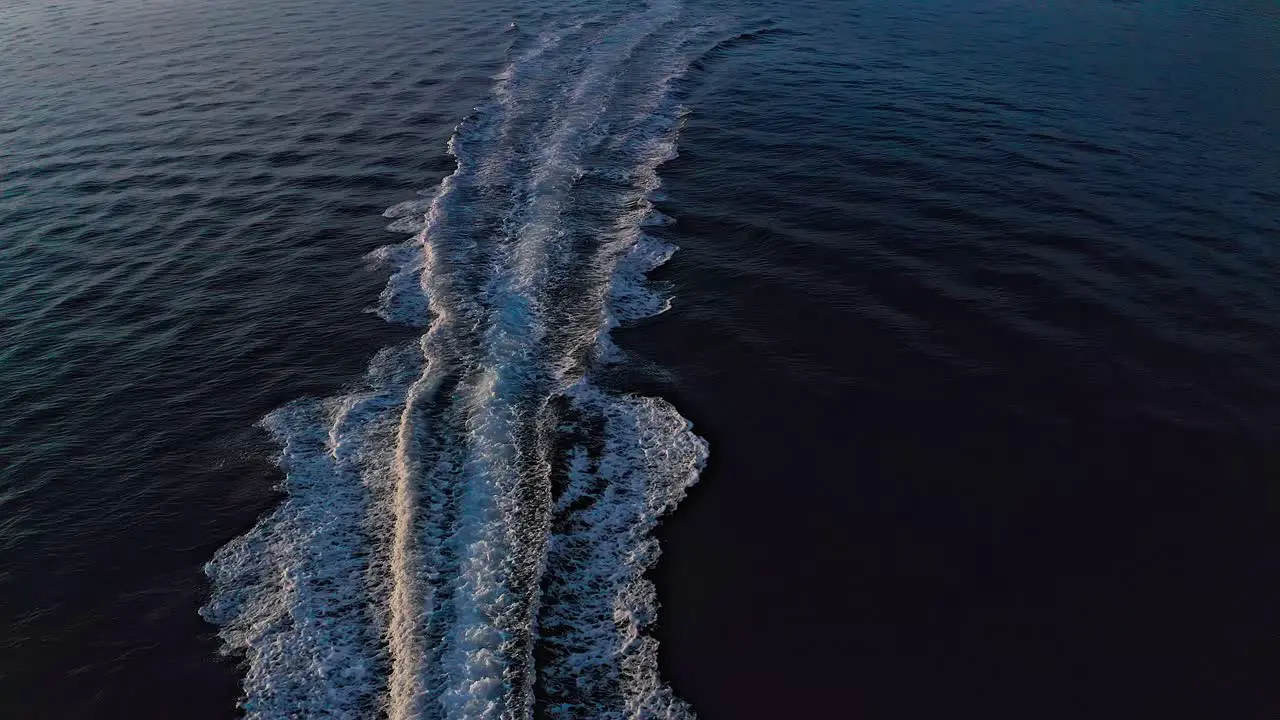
<point>348,349</point>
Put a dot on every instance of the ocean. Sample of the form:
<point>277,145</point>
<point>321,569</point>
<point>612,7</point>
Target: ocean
<point>666,359</point>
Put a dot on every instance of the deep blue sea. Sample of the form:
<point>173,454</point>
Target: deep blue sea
<point>360,359</point>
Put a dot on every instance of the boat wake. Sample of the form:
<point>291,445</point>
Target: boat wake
<point>467,534</point>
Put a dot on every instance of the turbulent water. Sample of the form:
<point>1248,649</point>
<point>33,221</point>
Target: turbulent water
<point>466,534</point>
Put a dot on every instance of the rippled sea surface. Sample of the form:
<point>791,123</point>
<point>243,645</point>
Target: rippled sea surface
<point>974,313</point>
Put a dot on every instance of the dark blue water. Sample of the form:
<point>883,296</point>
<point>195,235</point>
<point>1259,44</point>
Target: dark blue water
<point>974,307</point>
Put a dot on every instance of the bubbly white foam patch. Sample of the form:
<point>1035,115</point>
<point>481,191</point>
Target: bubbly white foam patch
<point>297,594</point>
<point>631,296</point>
<point>601,605</point>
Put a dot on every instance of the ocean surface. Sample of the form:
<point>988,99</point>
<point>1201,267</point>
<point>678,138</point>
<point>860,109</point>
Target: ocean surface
<point>667,359</point>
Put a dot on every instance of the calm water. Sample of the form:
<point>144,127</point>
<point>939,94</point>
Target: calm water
<point>973,308</point>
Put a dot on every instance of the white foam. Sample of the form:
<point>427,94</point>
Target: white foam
<point>604,605</point>
<point>402,574</point>
<point>294,594</point>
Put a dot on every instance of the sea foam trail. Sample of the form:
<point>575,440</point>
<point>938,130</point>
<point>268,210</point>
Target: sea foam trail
<point>466,535</point>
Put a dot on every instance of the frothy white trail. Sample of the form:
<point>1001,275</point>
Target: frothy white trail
<point>467,535</point>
